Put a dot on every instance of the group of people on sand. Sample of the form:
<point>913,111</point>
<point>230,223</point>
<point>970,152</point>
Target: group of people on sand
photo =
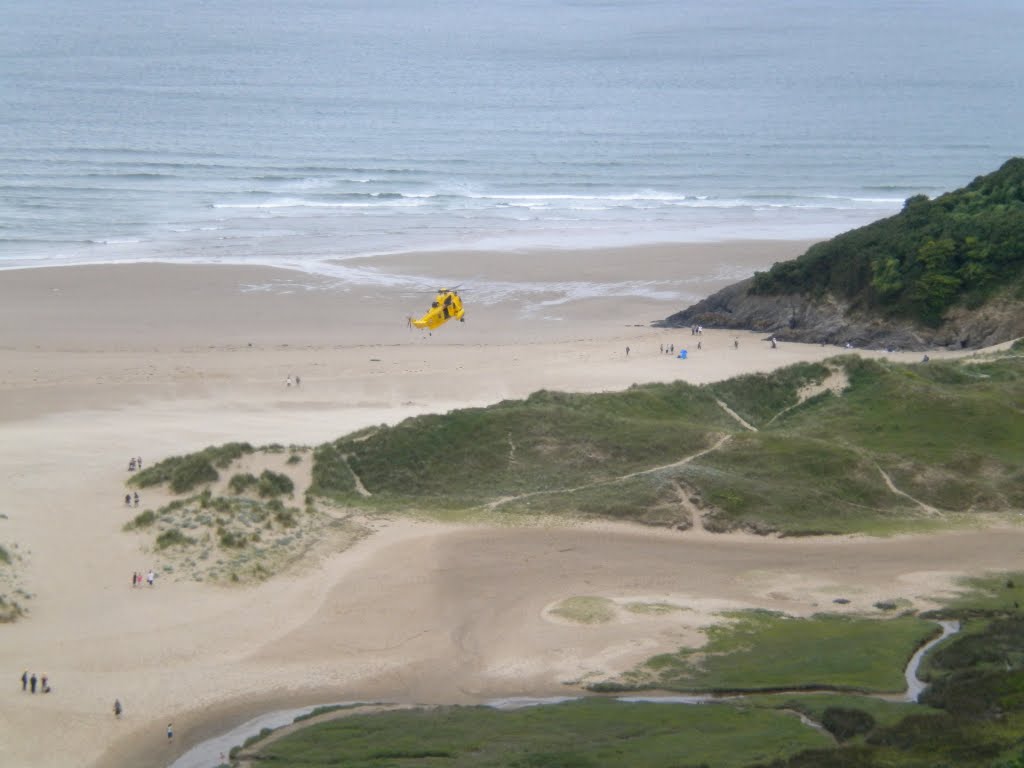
<point>138,578</point>
<point>134,463</point>
<point>293,380</point>
<point>667,349</point>
<point>30,683</point>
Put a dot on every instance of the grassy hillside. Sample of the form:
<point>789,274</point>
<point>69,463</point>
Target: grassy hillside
<point>902,445</point>
<point>959,248</point>
<point>852,445</point>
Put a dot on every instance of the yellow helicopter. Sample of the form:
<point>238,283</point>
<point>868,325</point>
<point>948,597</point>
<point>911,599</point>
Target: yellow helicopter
<point>447,306</point>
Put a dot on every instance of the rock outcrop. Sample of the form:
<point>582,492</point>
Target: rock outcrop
<point>831,321</point>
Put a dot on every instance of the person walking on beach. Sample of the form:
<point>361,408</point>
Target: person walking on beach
<point>627,351</point>
<point>150,577</point>
<point>24,680</point>
<point>136,498</point>
<point>170,732</point>
<point>735,343</point>
<point>117,708</point>
<point>32,682</point>
<point>135,579</point>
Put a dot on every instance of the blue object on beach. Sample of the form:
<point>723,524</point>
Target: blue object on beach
<point>682,354</point>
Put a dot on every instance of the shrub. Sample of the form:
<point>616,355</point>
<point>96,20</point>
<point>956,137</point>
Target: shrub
<point>286,517</point>
<point>172,537</point>
<point>274,484</point>
<point>141,520</point>
<point>844,724</point>
<point>5,556</point>
<point>242,482</point>
<point>192,471</point>
<point>189,471</point>
<point>231,540</point>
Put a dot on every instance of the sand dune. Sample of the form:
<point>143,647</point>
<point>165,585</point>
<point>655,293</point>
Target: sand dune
<point>98,364</point>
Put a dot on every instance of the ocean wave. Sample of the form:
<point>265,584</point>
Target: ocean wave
<point>368,201</point>
<point>553,201</point>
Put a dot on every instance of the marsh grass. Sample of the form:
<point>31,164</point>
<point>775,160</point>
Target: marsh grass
<point>594,733</point>
<point>993,594</point>
<point>979,683</point>
<point>814,705</point>
<point>761,650</point>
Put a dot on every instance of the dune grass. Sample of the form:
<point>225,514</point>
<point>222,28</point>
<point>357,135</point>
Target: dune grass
<point>185,473</point>
<point>948,436</point>
<point>548,442</point>
<point>759,397</point>
<point>904,447</point>
<point>236,539</point>
<point>586,610</point>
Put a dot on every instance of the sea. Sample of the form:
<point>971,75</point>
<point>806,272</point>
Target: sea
<point>309,132</point>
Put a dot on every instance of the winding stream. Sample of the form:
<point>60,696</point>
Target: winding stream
<point>213,752</point>
<point>914,685</point>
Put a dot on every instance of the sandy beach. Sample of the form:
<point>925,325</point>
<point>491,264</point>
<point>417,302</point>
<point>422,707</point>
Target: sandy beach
<point>102,363</point>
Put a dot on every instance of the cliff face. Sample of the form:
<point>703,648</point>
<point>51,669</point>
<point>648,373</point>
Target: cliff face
<point>792,317</point>
<point>947,272</point>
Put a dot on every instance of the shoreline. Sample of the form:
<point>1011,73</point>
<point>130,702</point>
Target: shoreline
<point>101,363</point>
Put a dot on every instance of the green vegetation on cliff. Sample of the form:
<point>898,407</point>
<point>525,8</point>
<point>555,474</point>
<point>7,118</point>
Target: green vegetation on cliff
<point>959,248</point>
